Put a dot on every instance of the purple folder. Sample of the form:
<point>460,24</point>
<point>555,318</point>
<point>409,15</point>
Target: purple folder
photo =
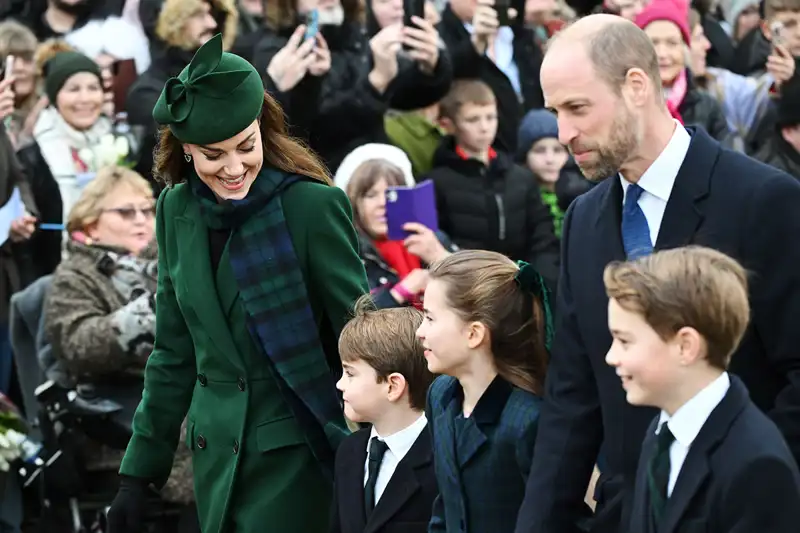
<point>410,204</point>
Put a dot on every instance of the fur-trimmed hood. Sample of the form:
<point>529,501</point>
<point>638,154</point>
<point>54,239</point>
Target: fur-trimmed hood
<point>174,13</point>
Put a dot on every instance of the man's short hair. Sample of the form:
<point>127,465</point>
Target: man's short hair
<point>693,287</point>
<point>773,7</point>
<point>619,47</point>
<point>463,92</point>
<point>386,339</point>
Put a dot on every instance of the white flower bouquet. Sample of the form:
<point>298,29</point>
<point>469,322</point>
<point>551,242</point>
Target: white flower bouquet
<point>14,443</point>
<point>110,151</point>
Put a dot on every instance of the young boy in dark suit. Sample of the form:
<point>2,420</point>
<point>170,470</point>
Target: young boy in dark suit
<point>711,460</point>
<point>384,477</point>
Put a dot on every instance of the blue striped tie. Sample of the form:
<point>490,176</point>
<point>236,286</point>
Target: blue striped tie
<point>635,231</point>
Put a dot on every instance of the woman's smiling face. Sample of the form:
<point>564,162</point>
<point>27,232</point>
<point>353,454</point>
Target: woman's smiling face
<point>80,100</point>
<point>229,167</point>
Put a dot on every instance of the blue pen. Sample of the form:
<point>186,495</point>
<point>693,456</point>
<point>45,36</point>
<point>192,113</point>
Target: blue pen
<point>53,227</point>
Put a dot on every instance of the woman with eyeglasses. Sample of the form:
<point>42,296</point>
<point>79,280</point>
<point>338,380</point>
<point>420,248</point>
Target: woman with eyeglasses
<point>99,316</point>
<point>258,273</point>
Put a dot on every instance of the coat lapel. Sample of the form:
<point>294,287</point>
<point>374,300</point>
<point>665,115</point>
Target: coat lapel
<point>403,483</point>
<point>695,468</point>
<point>227,288</point>
<point>608,245</point>
<point>685,209</point>
<point>351,488</point>
<point>446,456</point>
<point>486,414</point>
<point>199,283</point>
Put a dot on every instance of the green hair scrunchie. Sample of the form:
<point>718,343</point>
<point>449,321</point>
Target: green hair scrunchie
<point>530,281</point>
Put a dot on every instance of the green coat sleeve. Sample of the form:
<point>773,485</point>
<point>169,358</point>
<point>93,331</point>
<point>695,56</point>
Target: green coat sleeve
<point>336,273</point>
<point>169,376</point>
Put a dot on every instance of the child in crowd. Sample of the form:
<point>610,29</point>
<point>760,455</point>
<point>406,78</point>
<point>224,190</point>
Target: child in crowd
<point>485,329</point>
<point>484,200</point>
<point>384,477</point>
<point>711,457</point>
<point>540,151</point>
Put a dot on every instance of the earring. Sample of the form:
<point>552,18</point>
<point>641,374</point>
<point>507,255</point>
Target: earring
<point>187,157</point>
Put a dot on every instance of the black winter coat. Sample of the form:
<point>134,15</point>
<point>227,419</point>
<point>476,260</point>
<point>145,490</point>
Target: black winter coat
<point>340,111</point>
<point>701,109</point>
<point>44,248</point>
<point>468,64</point>
<point>497,208</point>
<point>780,154</point>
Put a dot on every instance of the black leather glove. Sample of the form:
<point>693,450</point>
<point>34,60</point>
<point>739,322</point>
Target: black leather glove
<point>127,511</point>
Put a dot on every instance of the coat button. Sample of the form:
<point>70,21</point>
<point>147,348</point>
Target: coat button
<point>202,379</point>
<point>235,447</point>
<point>241,384</point>
<point>201,442</point>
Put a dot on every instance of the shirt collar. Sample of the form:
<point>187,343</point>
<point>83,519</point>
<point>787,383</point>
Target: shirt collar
<point>659,178</point>
<point>687,421</point>
<point>401,442</point>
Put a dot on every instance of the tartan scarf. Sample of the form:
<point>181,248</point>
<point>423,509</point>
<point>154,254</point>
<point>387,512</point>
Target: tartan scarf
<point>274,293</point>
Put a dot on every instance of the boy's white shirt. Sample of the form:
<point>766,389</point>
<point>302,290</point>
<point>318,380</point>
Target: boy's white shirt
<point>399,445</point>
<point>687,422</point>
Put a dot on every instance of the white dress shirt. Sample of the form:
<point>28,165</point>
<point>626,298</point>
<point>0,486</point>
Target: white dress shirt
<point>658,180</point>
<point>687,422</point>
<point>399,444</point>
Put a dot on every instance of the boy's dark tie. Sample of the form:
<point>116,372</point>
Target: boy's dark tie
<point>635,231</point>
<point>377,449</point>
<point>658,473</point>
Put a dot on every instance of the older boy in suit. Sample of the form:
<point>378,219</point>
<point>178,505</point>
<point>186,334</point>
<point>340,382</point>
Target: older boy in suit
<point>711,460</point>
<point>384,478</point>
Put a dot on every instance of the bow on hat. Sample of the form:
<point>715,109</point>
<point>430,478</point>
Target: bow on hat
<point>199,78</point>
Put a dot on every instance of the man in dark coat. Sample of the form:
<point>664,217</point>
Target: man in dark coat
<point>662,186</point>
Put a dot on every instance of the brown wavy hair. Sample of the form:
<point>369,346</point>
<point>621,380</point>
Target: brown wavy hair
<point>280,150</point>
<point>480,286</point>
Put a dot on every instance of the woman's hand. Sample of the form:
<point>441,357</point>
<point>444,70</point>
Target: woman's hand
<point>423,42</point>
<point>290,65</point>
<point>424,243</point>
<point>322,58</point>
<point>781,65</point>
<point>22,229</point>
<point>385,46</point>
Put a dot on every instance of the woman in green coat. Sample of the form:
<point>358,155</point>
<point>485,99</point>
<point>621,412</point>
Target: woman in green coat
<point>258,269</point>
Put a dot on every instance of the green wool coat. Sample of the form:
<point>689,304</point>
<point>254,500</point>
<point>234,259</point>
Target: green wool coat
<point>254,467</point>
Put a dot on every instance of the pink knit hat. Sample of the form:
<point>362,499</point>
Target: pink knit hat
<point>675,11</point>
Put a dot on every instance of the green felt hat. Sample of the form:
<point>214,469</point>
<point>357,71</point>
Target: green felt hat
<point>59,68</point>
<point>214,98</point>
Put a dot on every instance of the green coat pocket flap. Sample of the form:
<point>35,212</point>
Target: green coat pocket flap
<point>279,433</point>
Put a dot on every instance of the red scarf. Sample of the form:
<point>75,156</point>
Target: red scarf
<point>400,259</point>
<point>676,95</point>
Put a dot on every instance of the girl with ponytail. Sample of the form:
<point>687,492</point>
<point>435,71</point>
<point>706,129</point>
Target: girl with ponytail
<point>487,328</point>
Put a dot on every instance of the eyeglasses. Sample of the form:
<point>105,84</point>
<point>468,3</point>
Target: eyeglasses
<point>129,213</point>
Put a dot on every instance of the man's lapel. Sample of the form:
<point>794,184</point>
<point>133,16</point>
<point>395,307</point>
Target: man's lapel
<point>608,245</point>
<point>403,483</point>
<point>695,468</point>
<point>686,206</point>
